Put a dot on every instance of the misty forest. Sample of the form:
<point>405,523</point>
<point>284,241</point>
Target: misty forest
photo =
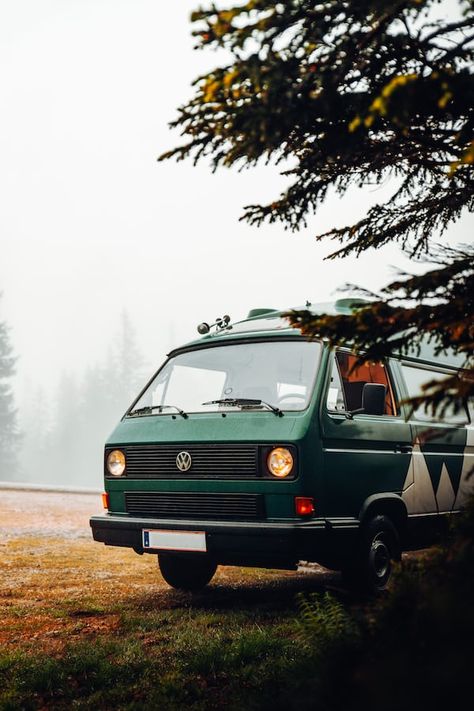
<point>57,437</point>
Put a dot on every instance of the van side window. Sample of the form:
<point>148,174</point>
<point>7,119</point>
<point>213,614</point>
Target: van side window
<point>350,380</point>
<point>415,377</point>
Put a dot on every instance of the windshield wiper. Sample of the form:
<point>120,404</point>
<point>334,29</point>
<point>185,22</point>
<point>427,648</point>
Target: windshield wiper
<point>149,409</point>
<point>245,402</point>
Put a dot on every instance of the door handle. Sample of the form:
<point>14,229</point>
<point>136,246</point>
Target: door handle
<point>404,448</point>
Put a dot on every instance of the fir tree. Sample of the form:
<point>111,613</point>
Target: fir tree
<point>353,93</point>
<point>66,445</point>
<point>35,421</point>
<point>88,407</point>
<point>128,363</point>
<point>9,434</point>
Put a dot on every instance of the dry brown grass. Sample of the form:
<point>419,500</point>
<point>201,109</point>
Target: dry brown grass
<point>93,627</point>
<point>57,587</point>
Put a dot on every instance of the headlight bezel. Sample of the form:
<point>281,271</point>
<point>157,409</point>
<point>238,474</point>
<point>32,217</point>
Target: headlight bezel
<point>107,464</point>
<point>291,454</point>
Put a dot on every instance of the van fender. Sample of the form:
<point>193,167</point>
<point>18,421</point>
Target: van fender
<point>386,504</point>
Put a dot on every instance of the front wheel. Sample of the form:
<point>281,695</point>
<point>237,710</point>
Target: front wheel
<point>371,566</point>
<point>186,572</point>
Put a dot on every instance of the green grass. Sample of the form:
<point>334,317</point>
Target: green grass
<point>103,646</point>
<point>199,652</point>
<point>163,660</point>
<point>84,673</point>
<point>282,644</point>
<point>311,652</point>
<point>252,646</point>
<point>218,649</point>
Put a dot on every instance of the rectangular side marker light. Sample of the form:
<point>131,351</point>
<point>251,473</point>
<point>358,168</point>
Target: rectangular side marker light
<point>304,505</point>
<point>105,501</point>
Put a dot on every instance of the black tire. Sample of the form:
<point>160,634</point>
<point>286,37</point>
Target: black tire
<point>371,566</point>
<point>188,572</point>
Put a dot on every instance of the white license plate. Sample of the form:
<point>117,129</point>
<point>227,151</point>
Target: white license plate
<point>175,540</point>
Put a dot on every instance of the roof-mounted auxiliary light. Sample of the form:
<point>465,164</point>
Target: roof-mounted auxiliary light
<point>219,324</point>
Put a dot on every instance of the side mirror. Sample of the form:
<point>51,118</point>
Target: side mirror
<point>373,399</point>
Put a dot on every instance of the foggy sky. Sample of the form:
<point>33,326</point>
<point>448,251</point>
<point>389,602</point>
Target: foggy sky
<point>91,224</point>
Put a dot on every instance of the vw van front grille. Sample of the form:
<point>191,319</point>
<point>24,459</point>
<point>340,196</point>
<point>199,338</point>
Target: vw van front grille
<point>196,506</point>
<point>208,461</point>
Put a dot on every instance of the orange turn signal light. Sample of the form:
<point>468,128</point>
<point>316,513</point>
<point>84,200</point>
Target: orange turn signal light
<point>105,501</point>
<point>304,505</point>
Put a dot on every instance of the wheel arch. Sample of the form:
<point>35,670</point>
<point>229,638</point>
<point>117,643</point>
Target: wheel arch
<point>385,504</point>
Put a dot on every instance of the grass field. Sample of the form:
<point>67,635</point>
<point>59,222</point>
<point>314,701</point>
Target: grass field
<point>89,627</point>
<point>86,626</point>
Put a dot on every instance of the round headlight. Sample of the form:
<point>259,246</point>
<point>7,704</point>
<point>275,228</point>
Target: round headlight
<point>116,463</point>
<point>280,462</point>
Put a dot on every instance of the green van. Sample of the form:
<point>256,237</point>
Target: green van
<point>254,446</point>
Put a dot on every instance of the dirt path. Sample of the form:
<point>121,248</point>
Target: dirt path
<point>46,514</point>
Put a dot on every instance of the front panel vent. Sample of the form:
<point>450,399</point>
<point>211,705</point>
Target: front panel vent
<point>245,507</point>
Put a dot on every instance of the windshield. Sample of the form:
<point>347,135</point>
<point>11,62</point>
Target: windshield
<point>280,373</point>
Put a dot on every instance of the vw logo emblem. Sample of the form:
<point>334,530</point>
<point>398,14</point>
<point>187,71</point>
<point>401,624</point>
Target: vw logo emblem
<point>184,461</point>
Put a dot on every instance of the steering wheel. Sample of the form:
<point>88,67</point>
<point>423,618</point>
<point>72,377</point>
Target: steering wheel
<point>287,396</point>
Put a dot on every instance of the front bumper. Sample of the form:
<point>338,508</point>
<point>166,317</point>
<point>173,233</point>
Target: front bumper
<point>266,543</point>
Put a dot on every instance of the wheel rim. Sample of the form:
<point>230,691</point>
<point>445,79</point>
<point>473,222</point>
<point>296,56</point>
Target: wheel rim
<point>380,558</point>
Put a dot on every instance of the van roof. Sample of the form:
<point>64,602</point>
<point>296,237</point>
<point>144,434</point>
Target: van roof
<point>263,321</point>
